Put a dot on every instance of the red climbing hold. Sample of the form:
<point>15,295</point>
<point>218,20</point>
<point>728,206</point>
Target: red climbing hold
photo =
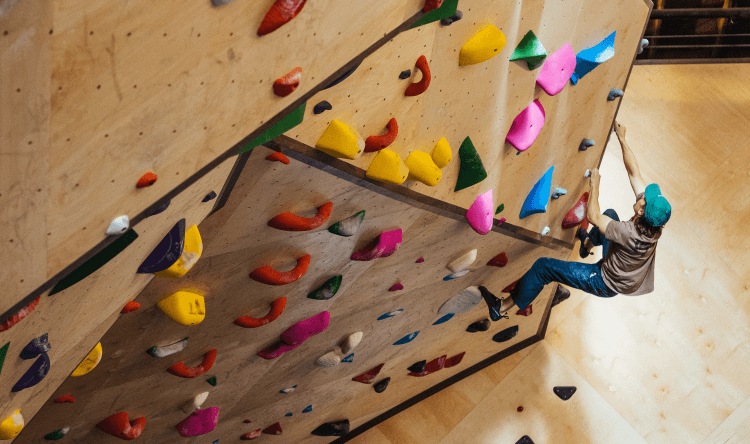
<point>291,222</point>
<point>285,85</point>
<point>368,376</point>
<point>377,143</point>
<point>269,276</point>
<point>146,180</point>
<point>280,14</point>
<point>252,435</point>
<point>396,287</point>
<point>577,214</point>
<point>525,312</point>
<point>247,421</point>
<point>278,157</point>
<point>22,313</point>
<point>455,360</point>
<point>500,260</point>
<point>120,426</point>
<point>273,429</point>
<point>277,307</point>
<point>418,88</point>
<point>520,408</point>
<point>65,398</point>
<point>130,307</point>
<point>180,369</point>
<point>429,5</point>
<point>433,366</point>
<point>510,287</point>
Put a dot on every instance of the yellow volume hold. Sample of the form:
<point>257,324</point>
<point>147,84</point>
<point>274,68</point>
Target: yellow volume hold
<point>423,169</point>
<point>442,153</point>
<point>388,167</point>
<point>191,252</point>
<point>91,361</point>
<point>340,140</point>
<point>486,44</point>
<point>12,426</point>
<point>186,307</point>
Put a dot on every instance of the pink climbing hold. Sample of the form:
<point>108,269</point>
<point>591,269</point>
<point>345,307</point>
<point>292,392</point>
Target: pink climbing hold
<point>480,213</point>
<point>526,126</point>
<point>420,260</point>
<point>557,70</point>
<point>500,222</point>
<point>298,333</point>
<point>396,287</point>
<point>199,422</point>
<point>384,245</point>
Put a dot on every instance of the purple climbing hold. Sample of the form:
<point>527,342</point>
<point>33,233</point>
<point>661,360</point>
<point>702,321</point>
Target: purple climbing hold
<point>322,107</point>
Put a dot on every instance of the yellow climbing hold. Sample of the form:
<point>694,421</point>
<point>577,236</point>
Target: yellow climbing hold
<point>422,168</point>
<point>486,44</point>
<point>186,307</point>
<point>91,361</point>
<point>388,167</point>
<point>12,426</point>
<point>191,252</point>
<point>340,140</point>
<point>442,154</point>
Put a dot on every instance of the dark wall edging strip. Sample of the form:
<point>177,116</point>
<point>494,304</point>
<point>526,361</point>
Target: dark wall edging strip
<point>234,175</point>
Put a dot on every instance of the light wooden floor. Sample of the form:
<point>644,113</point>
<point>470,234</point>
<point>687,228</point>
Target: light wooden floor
<point>669,367</point>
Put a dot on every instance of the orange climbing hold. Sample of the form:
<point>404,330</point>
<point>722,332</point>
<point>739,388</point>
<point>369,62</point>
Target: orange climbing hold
<point>130,307</point>
<point>22,313</point>
<point>430,5</point>
<point>65,398</point>
<point>277,307</point>
<point>418,88</point>
<point>285,85</point>
<point>377,143</point>
<point>278,157</point>
<point>146,180</point>
<point>119,425</point>
<point>181,370</point>
<point>280,14</point>
<point>291,222</point>
<point>269,276</point>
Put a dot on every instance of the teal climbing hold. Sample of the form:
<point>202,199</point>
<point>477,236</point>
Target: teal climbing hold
<point>445,318</point>
<point>472,170</point>
<point>590,58</point>
<point>446,10</point>
<point>286,123</point>
<point>307,409</point>
<point>3,352</point>
<point>536,201</point>
<point>212,380</point>
<point>531,50</point>
<point>407,339</point>
<point>501,207</point>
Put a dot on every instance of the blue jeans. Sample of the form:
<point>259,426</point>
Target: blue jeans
<point>585,277</point>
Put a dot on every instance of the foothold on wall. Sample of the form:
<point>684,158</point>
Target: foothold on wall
<point>351,342</point>
<point>454,360</point>
<point>614,94</point>
<point>559,192</point>
<point>289,414</point>
<point>519,409</point>
<point>506,335</point>
<point>286,84</point>
<point>119,426</point>
<point>525,440</point>
<point>368,376</point>
<point>57,434</point>
<point>526,126</point>
<point>531,50</point>
<point>298,333</point>
<point>420,260</point>
<point>212,381</point>
<point>349,226</point>
<point>288,390</point>
<point>181,370</point>
<point>585,144</point>
<point>391,314</point>
<point>500,208</point>
<point>448,9</point>
<point>486,44</point>
<point>577,214</point>
<point>384,245</point>
<point>444,319</point>
<point>417,367</point>
<point>396,287</point>
<point>340,140</point>
<point>280,13</point>
<point>292,222</point>
<point>65,398</point>
<point>90,362</point>
<point>381,385</point>
<point>460,266</point>
<point>500,221</point>
<point>191,252</point>
<point>545,231</point>
<point>377,143</point>
<point>472,170</point>
<point>423,169</point>
<point>273,429</point>
<point>160,351</point>
<point>587,173</point>
<point>565,392</point>
<point>431,367</point>
<point>405,74</point>
<point>418,88</point>
<point>342,77</point>
<point>22,313</point>
<point>538,198</point>
<point>322,107</point>
<point>286,123</point>
<point>482,325</point>
<point>119,225</point>
<point>269,276</point>
<point>388,167</point>
<point>464,301</point>
<point>251,435</point>
<point>590,58</point>
<point>642,45</point>
<point>34,374</point>
<point>525,312</point>
<point>277,157</point>
<point>12,425</point>
<point>407,339</point>
<point>199,422</point>
<point>186,307</point>
<point>336,428</point>
<point>329,359</point>
<point>349,358</point>
<point>449,20</point>
<point>442,154</point>
<point>277,307</point>
<point>500,260</point>
<point>130,307</point>
<point>195,403</point>
<point>161,208</point>
<point>557,70</point>
<point>479,214</point>
<point>209,197</point>
<point>36,346</point>
<point>146,180</point>
<point>308,409</point>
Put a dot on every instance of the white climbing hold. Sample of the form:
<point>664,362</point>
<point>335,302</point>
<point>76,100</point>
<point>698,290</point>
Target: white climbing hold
<point>328,360</point>
<point>642,45</point>
<point>545,231</point>
<point>351,342</point>
<point>118,226</point>
<point>559,192</point>
<point>462,263</point>
<point>166,350</point>
<point>195,403</point>
<point>587,173</point>
<point>465,300</point>
<point>288,390</point>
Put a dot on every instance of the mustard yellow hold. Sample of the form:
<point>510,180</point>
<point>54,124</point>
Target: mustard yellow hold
<point>422,168</point>
<point>441,154</point>
<point>91,361</point>
<point>12,426</point>
<point>388,167</point>
<point>186,307</point>
<point>191,252</point>
<point>486,44</point>
<point>340,140</point>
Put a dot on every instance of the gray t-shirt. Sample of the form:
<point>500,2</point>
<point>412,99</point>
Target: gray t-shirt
<point>629,266</point>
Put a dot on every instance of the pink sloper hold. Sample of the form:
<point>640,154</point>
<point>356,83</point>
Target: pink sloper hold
<point>199,422</point>
<point>396,287</point>
<point>557,70</point>
<point>384,245</point>
<point>298,333</point>
<point>480,213</point>
<point>526,126</point>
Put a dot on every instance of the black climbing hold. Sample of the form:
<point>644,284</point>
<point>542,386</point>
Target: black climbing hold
<point>382,385</point>
<point>417,367</point>
<point>506,335</point>
<point>482,325</point>
<point>167,252</point>
<point>34,374</point>
<point>322,106</point>
<point>525,440</point>
<point>336,428</point>
<point>36,346</point>
<point>585,144</point>
<point>446,21</point>
<point>343,76</point>
<point>161,208</point>
<point>561,294</point>
<point>210,196</point>
<point>459,15</point>
<point>564,393</point>
<point>405,74</point>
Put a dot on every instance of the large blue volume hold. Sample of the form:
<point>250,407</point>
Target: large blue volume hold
<point>33,375</point>
<point>167,252</point>
<point>36,346</point>
<point>538,198</point>
<point>588,59</point>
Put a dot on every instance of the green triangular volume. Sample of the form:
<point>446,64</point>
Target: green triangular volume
<point>531,50</point>
<point>446,10</point>
<point>3,352</point>
<point>288,122</point>
<point>472,170</point>
<point>212,380</point>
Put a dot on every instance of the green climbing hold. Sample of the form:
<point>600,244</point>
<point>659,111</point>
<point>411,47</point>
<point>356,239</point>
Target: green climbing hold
<point>212,380</point>
<point>446,10</point>
<point>3,352</point>
<point>57,434</point>
<point>327,290</point>
<point>349,226</point>
<point>501,207</point>
<point>472,170</point>
<point>285,124</point>
<point>531,50</point>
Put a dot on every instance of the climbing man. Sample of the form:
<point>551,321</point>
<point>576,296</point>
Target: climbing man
<point>628,253</point>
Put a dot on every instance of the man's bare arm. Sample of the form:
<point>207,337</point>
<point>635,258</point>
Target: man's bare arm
<point>593,213</point>
<point>631,164</point>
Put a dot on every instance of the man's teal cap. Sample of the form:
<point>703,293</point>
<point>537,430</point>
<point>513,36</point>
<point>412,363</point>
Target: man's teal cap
<point>658,209</point>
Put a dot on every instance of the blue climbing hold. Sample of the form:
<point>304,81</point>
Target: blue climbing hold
<point>307,409</point>
<point>450,277</point>
<point>536,201</point>
<point>34,374</point>
<point>391,314</point>
<point>349,358</point>
<point>590,58</point>
<point>289,414</point>
<point>445,318</point>
<point>407,339</point>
